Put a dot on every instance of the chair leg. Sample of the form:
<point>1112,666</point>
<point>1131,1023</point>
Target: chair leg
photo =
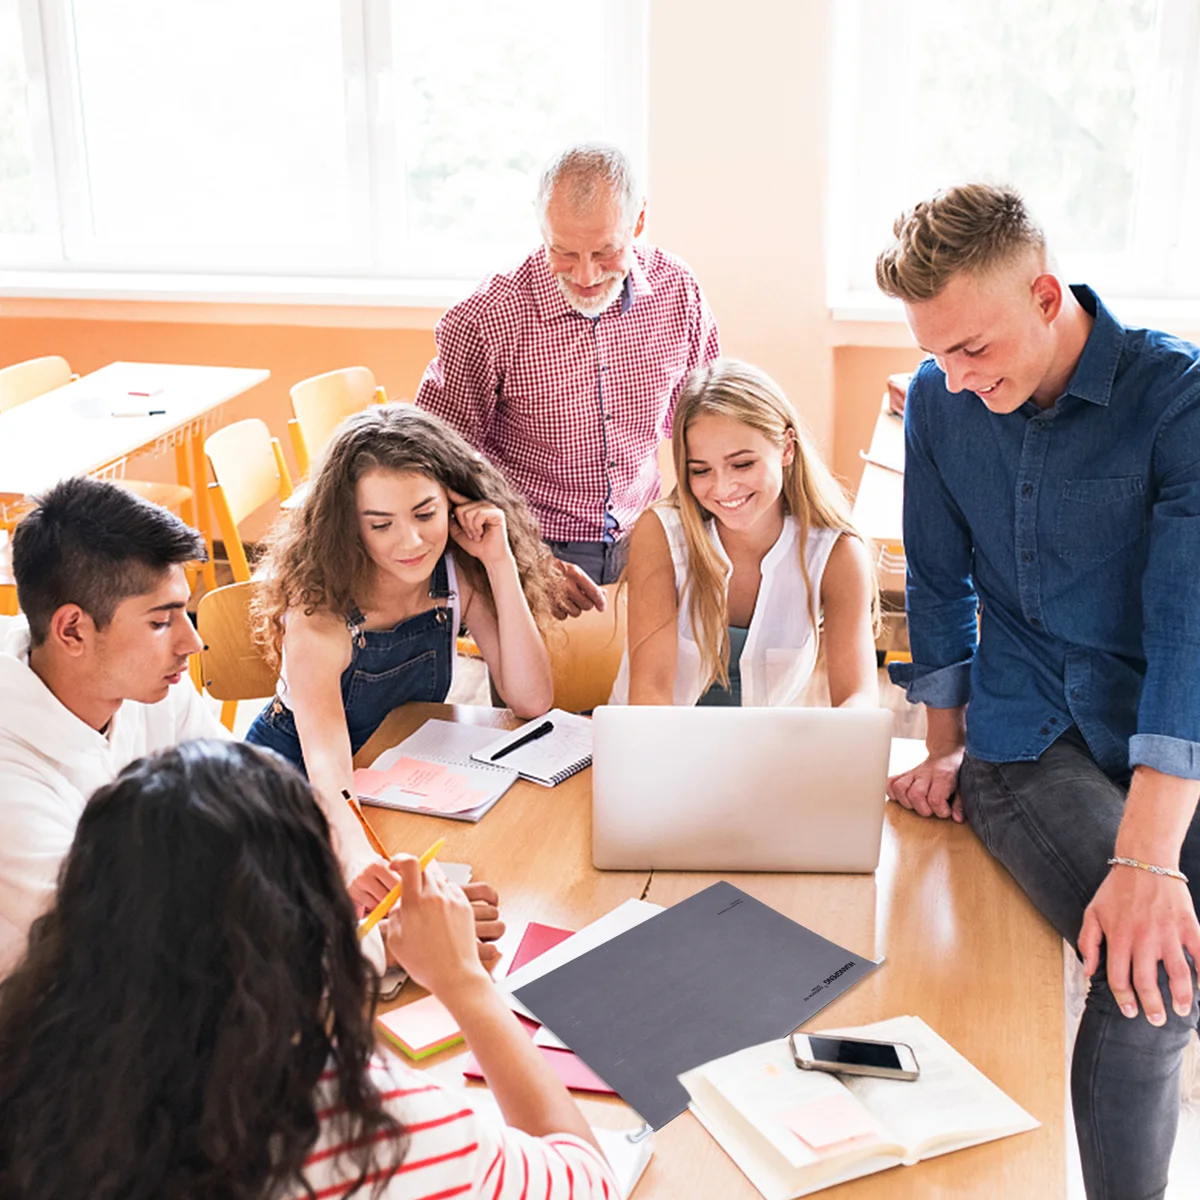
<point>228,713</point>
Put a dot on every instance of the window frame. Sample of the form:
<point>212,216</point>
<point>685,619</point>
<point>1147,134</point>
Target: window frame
<point>385,269</point>
<point>1151,274</point>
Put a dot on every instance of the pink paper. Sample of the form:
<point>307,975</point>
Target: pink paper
<point>830,1122</point>
<point>452,793</point>
<point>412,775</point>
<point>370,783</point>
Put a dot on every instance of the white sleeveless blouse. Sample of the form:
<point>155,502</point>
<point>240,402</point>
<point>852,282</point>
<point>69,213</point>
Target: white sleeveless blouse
<point>780,650</point>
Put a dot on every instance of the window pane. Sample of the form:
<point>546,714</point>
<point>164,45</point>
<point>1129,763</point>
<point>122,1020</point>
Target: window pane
<point>215,130</point>
<point>488,90</point>
<point>17,202</point>
<point>1057,99</point>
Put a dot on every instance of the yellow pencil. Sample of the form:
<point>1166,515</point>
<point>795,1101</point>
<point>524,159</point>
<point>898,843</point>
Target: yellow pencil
<point>386,905</point>
<point>372,837</point>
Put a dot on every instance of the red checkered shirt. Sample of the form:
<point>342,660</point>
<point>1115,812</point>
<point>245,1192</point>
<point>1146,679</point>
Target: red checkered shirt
<point>572,408</point>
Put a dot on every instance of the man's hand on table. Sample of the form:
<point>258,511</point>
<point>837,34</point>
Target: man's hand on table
<point>578,593</point>
<point>930,789</point>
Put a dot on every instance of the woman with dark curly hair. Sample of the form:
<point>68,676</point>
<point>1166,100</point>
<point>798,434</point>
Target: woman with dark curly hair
<point>193,1016</point>
<point>406,533</point>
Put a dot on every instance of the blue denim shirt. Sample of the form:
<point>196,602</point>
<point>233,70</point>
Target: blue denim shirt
<point>1074,532</point>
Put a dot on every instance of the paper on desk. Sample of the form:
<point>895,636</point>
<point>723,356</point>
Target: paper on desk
<point>906,753</point>
<point>624,916</point>
<point>440,741</point>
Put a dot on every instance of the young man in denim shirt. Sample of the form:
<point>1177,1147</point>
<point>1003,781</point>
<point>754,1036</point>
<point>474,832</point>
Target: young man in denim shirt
<point>1052,529</point>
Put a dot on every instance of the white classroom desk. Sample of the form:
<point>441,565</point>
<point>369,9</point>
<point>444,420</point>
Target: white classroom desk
<point>72,431</point>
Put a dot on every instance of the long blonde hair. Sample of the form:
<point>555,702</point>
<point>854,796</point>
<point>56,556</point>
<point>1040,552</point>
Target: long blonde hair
<point>315,556</point>
<point>730,388</point>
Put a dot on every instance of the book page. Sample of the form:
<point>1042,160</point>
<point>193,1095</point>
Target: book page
<point>807,1116</point>
<point>445,742</point>
<point>950,1106</point>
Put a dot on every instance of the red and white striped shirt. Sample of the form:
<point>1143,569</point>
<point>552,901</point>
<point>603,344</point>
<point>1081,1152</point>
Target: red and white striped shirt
<point>450,1150</point>
<point>572,408</point>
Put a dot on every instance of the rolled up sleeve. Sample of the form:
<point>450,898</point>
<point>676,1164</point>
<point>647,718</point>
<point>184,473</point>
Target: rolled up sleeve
<point>940,599</point>
<point>1168,721</point>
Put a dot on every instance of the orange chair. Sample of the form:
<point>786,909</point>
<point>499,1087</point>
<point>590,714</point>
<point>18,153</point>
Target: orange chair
<point>585,653</point>
<point>231,665</point>
<point>322,403</point>
<point>248,466</point>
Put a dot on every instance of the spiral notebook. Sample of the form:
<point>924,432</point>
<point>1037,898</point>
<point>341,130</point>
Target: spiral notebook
<point>432,772</point>
<point>562,752</point>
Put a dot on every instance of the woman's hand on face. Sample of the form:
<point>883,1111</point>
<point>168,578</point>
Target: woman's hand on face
<point>431,933</point>
<point>480,529</point>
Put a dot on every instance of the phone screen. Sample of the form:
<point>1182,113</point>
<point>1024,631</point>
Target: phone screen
<point>857,1054</point>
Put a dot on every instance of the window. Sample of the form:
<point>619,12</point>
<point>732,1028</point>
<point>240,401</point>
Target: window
<point>365,138</point>
<point>1092,109</point>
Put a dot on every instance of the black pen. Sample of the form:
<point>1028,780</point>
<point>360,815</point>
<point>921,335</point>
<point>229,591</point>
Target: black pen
<point>544,728</point>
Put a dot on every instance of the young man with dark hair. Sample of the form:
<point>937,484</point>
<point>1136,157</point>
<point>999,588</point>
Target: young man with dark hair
<point>1052,494</point>
<point>88,677</point>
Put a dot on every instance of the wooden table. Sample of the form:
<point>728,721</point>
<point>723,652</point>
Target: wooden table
<point>965,951</point>
<point>71,430</point>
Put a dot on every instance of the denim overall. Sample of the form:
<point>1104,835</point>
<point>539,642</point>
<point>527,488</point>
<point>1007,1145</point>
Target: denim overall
<point>411,661</point>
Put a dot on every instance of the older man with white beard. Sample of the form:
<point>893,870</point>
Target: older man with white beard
<point>564,372</point>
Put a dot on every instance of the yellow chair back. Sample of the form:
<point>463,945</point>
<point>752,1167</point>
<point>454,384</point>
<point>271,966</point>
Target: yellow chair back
<point>248,466</point>
<point>232,666</point>
<point>25,380</point>
<point>585,653</point>
<point>322,403</point>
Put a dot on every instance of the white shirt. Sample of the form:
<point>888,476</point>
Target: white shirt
<point>781,649</point>
<point>453,1150</point>
<point>50,763</point>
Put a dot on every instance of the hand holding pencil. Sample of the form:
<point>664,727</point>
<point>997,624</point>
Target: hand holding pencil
<point>386,905</point>
<point>433,937</point>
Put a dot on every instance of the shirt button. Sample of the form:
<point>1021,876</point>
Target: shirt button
<point>1035,622</point>
<point>1027,556</point>
<point>1027,490</point>
<point>1045,729</point>
<point>1053,720</point>
<point>608,416</point>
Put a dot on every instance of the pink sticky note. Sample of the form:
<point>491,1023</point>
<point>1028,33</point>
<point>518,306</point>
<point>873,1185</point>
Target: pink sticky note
<point>370,783</point>
<point>829,1122</point>
<point>451,793</point>
<point>412,775</point>
<point>420,1028</point>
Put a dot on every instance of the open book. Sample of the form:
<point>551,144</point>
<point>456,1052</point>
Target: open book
<point>794,1132</point>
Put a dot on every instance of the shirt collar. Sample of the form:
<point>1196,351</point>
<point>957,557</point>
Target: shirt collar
<point>552,305</point>
<point>1097,367</point>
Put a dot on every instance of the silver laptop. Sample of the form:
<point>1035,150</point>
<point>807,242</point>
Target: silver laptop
<point>738,789</point>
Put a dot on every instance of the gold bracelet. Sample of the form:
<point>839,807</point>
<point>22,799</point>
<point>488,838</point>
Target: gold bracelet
<point>1141,866</point>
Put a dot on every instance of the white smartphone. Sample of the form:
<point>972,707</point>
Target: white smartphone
<point>854,1056</point>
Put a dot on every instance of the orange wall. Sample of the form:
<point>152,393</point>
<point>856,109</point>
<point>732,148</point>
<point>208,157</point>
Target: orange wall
<point>859,373</point>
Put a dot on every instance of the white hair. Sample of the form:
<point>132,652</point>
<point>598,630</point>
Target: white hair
<point>587,173</point>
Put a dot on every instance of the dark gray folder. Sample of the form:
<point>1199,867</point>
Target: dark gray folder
<point>716,973</point>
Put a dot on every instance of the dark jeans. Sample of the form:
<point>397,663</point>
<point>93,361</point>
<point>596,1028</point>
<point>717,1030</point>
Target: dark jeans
<point>603,561</point>
<point>1053,823</point>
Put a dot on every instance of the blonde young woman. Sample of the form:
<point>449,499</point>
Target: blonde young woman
<point>406,534</point>
<point>732,575</point>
